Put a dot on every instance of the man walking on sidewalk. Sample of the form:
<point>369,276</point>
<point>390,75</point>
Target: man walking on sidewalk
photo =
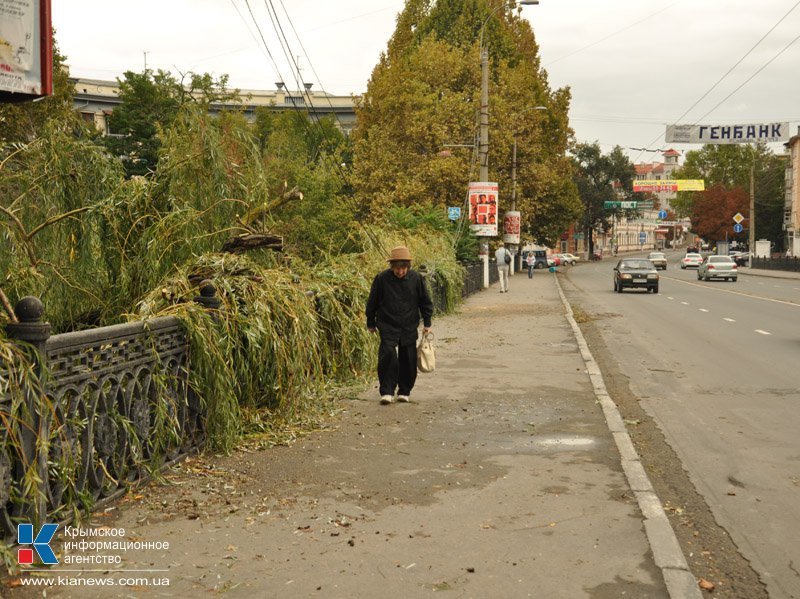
<point>397,301</point>
<point>503,257</point>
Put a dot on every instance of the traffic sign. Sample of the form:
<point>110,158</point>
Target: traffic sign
<point>627,205</point>
<point>642,237</point>
<point>662,214</point>
<point>738,218</point>
<point>737,228</point>
<point>453,212</point>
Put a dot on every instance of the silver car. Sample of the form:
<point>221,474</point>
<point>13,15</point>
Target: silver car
<point>718,267</point>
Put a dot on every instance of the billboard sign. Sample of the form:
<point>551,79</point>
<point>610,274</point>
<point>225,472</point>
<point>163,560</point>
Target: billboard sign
<point>26,50</point>
<point>483,198</point>
<point>728,134</point>
<point>656,185</point>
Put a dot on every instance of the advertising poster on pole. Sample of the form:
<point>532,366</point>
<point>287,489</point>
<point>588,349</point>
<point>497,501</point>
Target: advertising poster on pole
<point>483,198</point>
<point>26,50</point>
<point>511,225</point>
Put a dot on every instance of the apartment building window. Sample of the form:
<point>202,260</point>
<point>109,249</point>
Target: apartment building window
<point>294,100</point>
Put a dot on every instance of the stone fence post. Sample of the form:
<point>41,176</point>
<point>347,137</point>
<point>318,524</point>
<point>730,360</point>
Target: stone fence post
<point>31,330</point>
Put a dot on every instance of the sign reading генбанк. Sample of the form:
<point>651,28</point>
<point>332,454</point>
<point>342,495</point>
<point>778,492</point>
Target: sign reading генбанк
<point>728,134</point>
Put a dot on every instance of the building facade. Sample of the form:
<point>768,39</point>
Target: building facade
<point>96,99</point>
<point>660,171</point>
<point>791,213</point>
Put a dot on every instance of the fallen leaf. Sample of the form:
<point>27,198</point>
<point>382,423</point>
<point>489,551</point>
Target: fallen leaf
<point>706,585</point>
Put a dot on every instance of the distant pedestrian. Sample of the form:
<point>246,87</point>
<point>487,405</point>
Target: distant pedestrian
<point>503,257</point>
<point>398,300</point>
<point>530,260</point>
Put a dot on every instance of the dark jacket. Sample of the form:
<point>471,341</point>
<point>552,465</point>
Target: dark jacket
<point>395,306</point>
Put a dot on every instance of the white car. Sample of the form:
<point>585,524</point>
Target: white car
<point>658,259</point>
<point>568,259</point>
<point>691,261</point>
<point>718,267</point>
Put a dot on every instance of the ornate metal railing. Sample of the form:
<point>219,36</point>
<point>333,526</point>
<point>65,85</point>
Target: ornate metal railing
<point>784,263</point>
<point>494,276</point>
<point>113,404</point>
<point>473,278</point>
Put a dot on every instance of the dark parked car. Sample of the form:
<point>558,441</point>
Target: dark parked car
<point>741,258</point>
<point>635,272</point>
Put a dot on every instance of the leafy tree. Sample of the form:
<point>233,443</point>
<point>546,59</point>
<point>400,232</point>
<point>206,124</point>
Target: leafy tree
<point>730,166</point>
<point>150,104</point>
<point>417,123</point>
<point>601,178</point>
<point>713,211</point>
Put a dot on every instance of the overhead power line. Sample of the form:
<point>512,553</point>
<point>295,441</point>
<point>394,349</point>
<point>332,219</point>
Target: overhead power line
<point>729,71</point>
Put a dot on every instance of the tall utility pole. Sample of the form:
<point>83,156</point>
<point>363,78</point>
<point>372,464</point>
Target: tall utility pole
<point>483,144</point>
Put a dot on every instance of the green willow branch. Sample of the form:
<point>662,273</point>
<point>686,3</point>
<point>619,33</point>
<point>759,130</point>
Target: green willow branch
<point>55,219</point>
<point>23,234</point>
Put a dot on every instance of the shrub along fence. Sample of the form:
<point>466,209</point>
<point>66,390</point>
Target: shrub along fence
<point>99,410</point>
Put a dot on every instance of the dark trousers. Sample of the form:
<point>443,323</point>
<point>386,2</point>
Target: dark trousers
<point>397,366</point>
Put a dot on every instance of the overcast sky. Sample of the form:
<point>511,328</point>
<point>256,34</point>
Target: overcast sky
<point>633,65</point>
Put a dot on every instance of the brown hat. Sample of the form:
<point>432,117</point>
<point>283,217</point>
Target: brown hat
<point>399,253</point>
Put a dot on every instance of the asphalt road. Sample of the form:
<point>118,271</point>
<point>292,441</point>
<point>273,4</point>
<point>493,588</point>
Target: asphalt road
<point>715,365</point>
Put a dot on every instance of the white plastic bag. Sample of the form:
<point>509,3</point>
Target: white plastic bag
<point>426,355</point>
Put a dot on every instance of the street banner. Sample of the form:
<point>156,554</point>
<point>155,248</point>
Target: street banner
<point>511,226</point>
<point>656,185</point>
<point>728,134</point>
<point>483,198</point>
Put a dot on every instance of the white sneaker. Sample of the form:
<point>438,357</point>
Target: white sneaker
<point>403,398</point>
<point>386,400</point>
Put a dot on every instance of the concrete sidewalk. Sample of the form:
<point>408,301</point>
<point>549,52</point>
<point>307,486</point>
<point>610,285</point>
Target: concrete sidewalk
<point>509,475</point>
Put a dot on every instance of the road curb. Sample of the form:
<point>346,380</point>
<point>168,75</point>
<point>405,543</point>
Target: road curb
<point>680,582</point>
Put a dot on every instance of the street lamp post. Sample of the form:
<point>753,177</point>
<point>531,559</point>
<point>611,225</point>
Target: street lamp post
<point>514,184</point>
<point>514,161</point>
<point>483,145</point>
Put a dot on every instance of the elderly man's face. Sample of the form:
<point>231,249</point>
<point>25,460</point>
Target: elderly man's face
<point>400,268</point>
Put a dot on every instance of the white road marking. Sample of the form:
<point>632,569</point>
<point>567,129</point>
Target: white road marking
<point>685,303</point>
<point>670,297</point>
<point>763,332</point>
<point>729,319</point>
<point>702,309</point>
<point>721,290</point>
